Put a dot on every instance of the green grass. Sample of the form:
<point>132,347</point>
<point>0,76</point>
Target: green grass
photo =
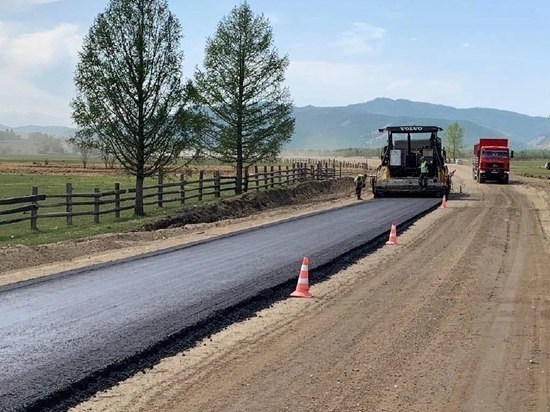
<point>55,229</point>
<point>530,168</point>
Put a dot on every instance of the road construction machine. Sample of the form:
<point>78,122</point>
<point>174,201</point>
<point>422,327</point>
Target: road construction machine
<point>399,172</point>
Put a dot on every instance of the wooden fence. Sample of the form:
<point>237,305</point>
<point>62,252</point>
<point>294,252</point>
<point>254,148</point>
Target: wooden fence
<point>70,204</point>
<point>333,162</point>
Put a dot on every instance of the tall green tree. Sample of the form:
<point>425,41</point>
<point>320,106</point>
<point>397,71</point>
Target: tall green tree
<point>130,94</point>
<point>241,92</point>
<point>454,135</point>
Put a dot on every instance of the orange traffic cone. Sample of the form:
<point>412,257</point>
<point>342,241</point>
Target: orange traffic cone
<point>393,235</point>
<point>302,289</point>
<point>444,202</point>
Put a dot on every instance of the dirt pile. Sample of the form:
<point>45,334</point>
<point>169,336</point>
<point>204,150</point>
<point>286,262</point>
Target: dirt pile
<point>251,202</point>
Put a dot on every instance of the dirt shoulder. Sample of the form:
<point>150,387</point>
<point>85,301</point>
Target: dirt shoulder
<point>453,318</point>
<point>21,262</point>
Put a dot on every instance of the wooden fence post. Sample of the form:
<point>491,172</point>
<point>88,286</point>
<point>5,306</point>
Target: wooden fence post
<point>287,177</point>
<point>266,178</point>
<point>312,172</point>
<point>160,189</point>
<point>257,177</point>
<point>201,183</point>
<point>117,200</point>
<point>217,184</point>
<point>34,211</point>
<point>280,174</point>
<point>246,178</point>
<point>182,188</point>
<point>96,204</point>
<point>69,203</point>
<point>340,168</point>
<point>272,176</point>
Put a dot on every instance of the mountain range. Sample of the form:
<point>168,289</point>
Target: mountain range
<point>357,125</point>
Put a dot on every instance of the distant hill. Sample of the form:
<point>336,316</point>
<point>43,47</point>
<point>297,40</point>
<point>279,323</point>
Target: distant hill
<point>59,131</point>
<point>357,125</point>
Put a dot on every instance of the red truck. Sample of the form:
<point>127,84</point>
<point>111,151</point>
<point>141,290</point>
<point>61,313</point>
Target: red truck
<point>491,160</point>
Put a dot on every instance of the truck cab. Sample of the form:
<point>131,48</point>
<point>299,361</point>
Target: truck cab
<point>492,160</point>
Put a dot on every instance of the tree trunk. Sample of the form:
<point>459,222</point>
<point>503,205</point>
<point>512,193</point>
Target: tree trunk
<point>240,162</point>
<point>239,177</point>
<point>138,207</point>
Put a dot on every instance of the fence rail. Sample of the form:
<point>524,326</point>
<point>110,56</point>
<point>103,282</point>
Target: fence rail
<point>42,206</point>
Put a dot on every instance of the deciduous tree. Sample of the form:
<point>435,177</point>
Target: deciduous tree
<point>454,135</point>
<point>130,94</point>
<point>241,92</point>
<point>85,145</point>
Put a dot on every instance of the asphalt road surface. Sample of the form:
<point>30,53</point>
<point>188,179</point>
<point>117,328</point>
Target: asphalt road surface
<point>57,331</point>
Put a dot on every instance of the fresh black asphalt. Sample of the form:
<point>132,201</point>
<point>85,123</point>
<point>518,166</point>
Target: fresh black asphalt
<point>59,330</point>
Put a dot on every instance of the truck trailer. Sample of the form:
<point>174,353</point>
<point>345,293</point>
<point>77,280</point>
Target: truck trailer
<point>491,160</point>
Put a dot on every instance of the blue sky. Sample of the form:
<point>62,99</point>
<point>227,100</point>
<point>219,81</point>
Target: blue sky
<point>469,53</point>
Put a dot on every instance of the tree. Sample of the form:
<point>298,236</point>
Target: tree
<point>454,135</point>
<point>130,94</point>
<point>85,145</point>
<point>240,91</point>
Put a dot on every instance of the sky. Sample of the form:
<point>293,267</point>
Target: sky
<point>462,53</point>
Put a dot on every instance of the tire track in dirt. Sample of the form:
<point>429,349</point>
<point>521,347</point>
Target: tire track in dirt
<point>437,324</point>
<point>448,320</point>
<point>503,374</point>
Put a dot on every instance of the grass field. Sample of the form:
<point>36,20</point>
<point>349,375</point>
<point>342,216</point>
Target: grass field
<point>530,168</point>
<point>55,229</point>
<point>18,174</point>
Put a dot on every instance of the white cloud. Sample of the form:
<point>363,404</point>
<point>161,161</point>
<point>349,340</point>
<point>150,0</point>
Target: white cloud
<point>362,38</point>
<point>324,83</point>
<point>23,103</point>
<point>333,84</point>
<point>35,73</point>
<point>38,50</point>
<point>20,5</point>
<point>465,45</point>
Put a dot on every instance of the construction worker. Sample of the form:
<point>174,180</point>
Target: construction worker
<point>359,181</point>
<point>423,179</point>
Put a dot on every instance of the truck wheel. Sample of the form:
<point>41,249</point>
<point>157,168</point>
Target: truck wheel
<point>479,178</point>
<point>504,180</point>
